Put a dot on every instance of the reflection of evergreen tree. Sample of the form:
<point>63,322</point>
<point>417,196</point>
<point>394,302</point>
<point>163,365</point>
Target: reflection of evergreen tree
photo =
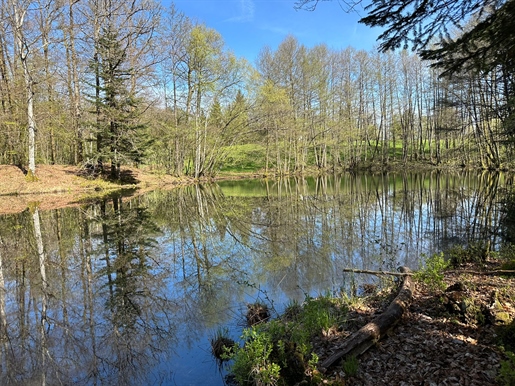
<point>128,239</point>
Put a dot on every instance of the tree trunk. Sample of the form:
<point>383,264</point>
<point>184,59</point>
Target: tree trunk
<point>21,43</point>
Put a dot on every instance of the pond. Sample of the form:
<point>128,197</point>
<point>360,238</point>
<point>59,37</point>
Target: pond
<point>130,290</point>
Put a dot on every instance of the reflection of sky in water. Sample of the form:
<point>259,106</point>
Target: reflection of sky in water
<point>388,236</point>
<point>218,248</point>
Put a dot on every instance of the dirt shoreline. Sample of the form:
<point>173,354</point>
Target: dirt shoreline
<point>62,186</point>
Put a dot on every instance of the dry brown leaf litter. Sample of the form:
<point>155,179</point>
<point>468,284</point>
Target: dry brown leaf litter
<point>434,345</point>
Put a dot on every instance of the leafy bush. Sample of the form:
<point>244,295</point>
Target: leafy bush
<point>507,372</point>
<point>276,353</point>
<point>252,363</point>
<point>432,274</point>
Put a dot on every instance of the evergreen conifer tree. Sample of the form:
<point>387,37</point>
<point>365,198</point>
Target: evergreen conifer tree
<point>120,136</point>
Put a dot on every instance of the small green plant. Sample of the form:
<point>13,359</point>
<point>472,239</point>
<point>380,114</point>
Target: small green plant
<point>312,370</point>
<point>432,274</point>
<point>252,362</point>
<point>507,371</point>
<point>318,314</point>
<point>312,363</point>
<point>350,366</point>
<point>221,345</point>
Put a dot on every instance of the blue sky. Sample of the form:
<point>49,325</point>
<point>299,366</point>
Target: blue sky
<point>249,25</point>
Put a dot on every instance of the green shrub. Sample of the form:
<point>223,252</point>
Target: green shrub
<point>277,352</point>
<point>507,371</point>
<point>252,362</point>
<point>432,274</point>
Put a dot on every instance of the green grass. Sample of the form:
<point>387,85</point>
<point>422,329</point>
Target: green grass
<point>244,158</point>
<point>252,157</point>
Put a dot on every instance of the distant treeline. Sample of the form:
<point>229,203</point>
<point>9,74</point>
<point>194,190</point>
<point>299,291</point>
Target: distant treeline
<point>105,84</point>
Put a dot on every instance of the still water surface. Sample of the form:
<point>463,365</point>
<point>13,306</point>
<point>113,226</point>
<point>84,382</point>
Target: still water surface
<point>128,291</point>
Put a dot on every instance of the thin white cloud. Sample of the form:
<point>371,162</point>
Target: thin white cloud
<point>246,12</point>
<point>276,30</point>
<point>298,32</point>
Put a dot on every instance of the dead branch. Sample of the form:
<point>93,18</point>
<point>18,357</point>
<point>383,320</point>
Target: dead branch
<point>378,273</point>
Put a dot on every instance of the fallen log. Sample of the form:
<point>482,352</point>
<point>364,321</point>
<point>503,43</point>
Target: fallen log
<point>368,335</point>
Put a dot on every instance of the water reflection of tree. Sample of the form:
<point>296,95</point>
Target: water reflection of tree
<point>466,208</point>
<point>207,240</point>
<point>59,323</point>
<point>300,232</point>
<point>26,355</point>
<point>114,299</point>
<point>43,322</point>
<point>128,237</point>
<point>130,287</point>
<point>295,220</point>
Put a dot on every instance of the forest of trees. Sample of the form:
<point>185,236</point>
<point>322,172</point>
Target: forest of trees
<point>102,84</point>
